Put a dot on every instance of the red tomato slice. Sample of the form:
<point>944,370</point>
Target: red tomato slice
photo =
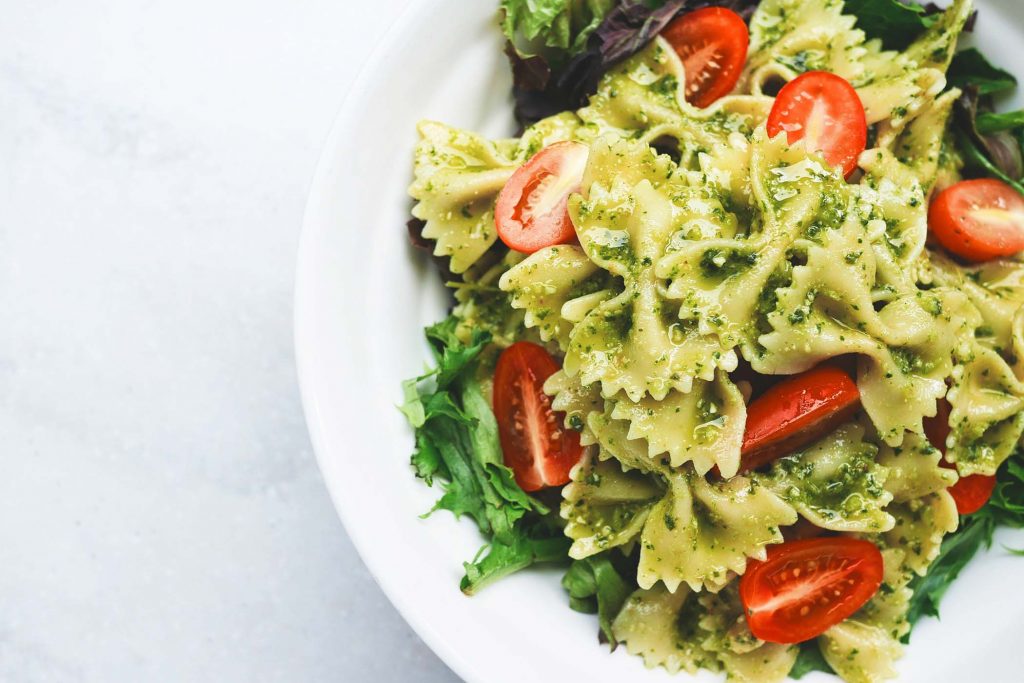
<point>712,44</point>
<point>532,210</point>
<point>534,442</point>
<point>796,412</point>
<point>824,111</point>
<point>805,587</point>
<point>972,492</point>
<point>969,493</point>
<point>978,219</point>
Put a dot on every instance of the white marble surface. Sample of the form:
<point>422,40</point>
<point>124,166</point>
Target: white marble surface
<point>161,514</point>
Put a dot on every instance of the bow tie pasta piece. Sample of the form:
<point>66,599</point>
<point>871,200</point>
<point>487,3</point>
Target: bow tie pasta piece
<point>859,652</point>
<point>643,99</point>
<point>634,342</point>
<point>914,469</point>
<point>699,533</point>
<point>995,288</point>
<point>835,483</point>
<point>703,426</point>
<point>702,533</point>
<point>896,93</point>
<point>664,629</point>
<point>768,663</point>
<point>920,527</point>
<point>743,656</point>
<point>790,37</point>
<point>935,48</point>
<point>457,177</point>
<point>987,414</point>
<point>686,631</point>
<point>899,88</point>
<point>805,282</point>
<point>551,279</point>
<point>864,648</point>
<point>898,179</point>
<point>724,274</point>
<point>987,395</point>
<point>829,309</point>
<point>577,401</point>
<point>606,507</point>
<point>640,96</point>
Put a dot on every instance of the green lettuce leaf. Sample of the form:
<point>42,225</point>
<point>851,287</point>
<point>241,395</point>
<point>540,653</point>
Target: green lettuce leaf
<point>529,543</point>
<point>457,443</point>
<point>452,356</point>
<point>595,586</point>
<point>564,25</point>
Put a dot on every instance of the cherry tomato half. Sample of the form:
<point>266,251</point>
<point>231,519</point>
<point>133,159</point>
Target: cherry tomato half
<point>978,219</point>
<point>532,209</point>
<point>824,111</point>
<point>805,587</point>
<point>712,44</point>
<point>535,444</point>
<point>795,412</point>
<point>969,493</point>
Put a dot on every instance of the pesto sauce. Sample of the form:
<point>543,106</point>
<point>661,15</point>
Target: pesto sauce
<point>720,264</point>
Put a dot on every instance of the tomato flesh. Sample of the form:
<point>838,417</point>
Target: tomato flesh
<point>805,587</point>
<point>532,210</point>
<point>712,44</point>
<point>969,493</point>
<point>824,111</point>
<point>795,412</point>
<point>535,444</point>
<point>978,219</point>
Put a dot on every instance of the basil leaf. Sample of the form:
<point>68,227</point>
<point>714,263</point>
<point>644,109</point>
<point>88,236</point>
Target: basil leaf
<point>974,157</point>
<point>596,586</point>
<point>957,550</point>
<point>997,154</point>
<point>990,122</point>
<point>970,68</point>
<point>809,659</point>
<point>895,23</point>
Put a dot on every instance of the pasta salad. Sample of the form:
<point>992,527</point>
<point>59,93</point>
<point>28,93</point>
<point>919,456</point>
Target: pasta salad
<point>738,323</point>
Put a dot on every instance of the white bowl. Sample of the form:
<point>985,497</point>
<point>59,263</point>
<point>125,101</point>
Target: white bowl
<point>362,299</point>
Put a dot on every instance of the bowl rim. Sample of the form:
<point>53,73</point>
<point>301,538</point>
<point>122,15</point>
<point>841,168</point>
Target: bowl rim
<point>307,356</point>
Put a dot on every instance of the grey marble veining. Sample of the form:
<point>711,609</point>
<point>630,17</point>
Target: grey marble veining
<point>161,514</point>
